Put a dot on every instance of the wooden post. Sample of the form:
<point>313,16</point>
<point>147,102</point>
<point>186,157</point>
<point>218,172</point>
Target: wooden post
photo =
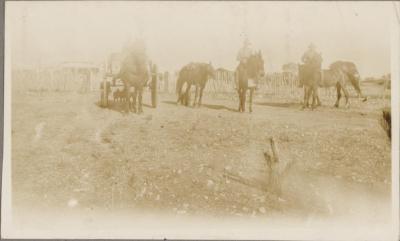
<point>153,86</point>
<point>276,167</point>
<point>104,95</point>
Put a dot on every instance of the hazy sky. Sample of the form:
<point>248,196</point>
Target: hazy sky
<point>180,32</point>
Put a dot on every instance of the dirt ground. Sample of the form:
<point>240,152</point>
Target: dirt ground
<point>67,153</point>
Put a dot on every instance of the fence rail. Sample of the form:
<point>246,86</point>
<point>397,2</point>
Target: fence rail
<point>279,84</point>
<point>55,80</point>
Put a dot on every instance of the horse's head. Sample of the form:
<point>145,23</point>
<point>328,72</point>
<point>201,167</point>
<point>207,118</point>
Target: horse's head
<point>182,78</point>
<point>351,70</point>
<point>256,64</point>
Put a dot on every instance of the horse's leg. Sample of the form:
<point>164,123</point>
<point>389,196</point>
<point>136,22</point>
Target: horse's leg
<point>314,97</point>
<point>201,95</point>
<point>179,98</point>
<point>356,86</point>
<point>244,93</point>
<point>317,97</point>
<point>186,98</point>
<point>305,98</point>
<point>319,100</point>
<point>309,96</point>
<point>346,95</point>
<point>339,95</point>
<point>135,93</point>
<point>126,95</point>
<point>309,92</point>
<point>127,99</point>
<point>240,99</point>
<point>251,100</point>
<point>196,95</point>
<point>140,94</point>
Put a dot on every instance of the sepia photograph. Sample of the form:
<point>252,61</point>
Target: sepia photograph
<point>201,120</point>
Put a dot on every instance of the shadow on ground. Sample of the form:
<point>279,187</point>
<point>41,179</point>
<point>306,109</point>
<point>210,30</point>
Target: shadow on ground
<point>118,106</point>
<point>280,104</point>
<point>219,107</point>
<point>208,106</point>
<point>259,184</point>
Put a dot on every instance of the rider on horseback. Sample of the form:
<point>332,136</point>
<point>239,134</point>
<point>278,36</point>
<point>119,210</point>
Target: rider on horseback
<point>245,52</point>
<point>312,59</point>
<point>312,62</point>
<point>136,59</point>
<point>134,72</point>
<point>243,55</point>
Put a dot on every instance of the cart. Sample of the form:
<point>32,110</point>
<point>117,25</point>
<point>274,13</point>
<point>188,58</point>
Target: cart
<point>107,86</point>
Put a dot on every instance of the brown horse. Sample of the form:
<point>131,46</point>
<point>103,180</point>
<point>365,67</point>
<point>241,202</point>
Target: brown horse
<point>196,74</point>
<point>134,73</point>
<point>309,77</point>
<point>338,75</point>
<point>247,75</point>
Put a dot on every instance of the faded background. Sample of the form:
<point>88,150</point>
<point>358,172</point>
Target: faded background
<point>180,172</point>
<point>177,33</point>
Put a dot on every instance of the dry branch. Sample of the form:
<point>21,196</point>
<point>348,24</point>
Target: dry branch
<point>276,165</point>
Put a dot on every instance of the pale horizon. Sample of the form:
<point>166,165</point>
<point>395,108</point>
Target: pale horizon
<point>49,33</point>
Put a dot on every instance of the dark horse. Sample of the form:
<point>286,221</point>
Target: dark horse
<point>309,78</point>
<point>247,75</point>
<point>338,75</point>
<point>196,74</point>
<point>309,75</point>
<point>134,73</point>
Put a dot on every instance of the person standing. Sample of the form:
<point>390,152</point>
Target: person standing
<point>311,57</point>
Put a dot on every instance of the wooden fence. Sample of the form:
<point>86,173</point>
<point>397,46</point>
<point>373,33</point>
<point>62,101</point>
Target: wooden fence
<point>273,84</point>
<point>55,80</point>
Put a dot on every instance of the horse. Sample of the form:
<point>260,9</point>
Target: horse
<point>309,77</point>
<point>196,74</point>
<point>134,73</point>
<point>338,75</point>
<point>246,77</point>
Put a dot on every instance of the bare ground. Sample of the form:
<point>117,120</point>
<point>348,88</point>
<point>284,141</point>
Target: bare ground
<point>67,152</point>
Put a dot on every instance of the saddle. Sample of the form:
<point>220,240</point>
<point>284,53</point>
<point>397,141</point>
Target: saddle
<point>251,82</point>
